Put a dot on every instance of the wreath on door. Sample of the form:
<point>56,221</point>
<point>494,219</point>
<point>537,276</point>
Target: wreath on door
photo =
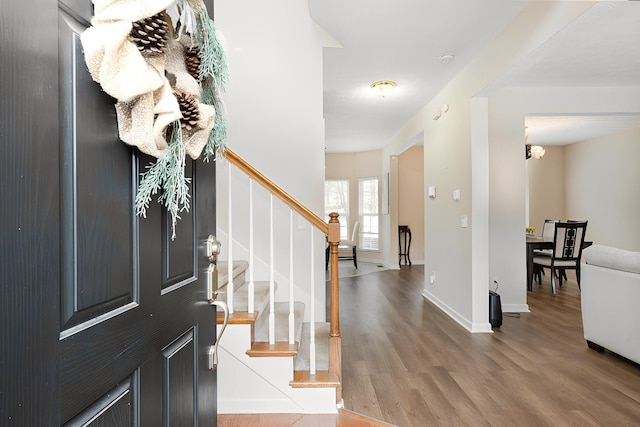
<point>164,63</point>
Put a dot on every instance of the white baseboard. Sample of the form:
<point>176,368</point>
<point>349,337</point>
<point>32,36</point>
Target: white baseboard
<point>394,266</point>
<point>371,260</point>
<point>463,321</point>
<point>481,328</point>
<point>515,308</point>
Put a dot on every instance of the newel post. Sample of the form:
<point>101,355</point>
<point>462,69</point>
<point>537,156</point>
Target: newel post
<point>335,341</point>
<point>334,241</point>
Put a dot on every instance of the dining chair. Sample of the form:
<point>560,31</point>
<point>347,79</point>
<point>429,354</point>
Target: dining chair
<point>549,226</point>
<point>351,244</point>
<point>561,271</point>
<point>566,254</point>
<point>548,229</point>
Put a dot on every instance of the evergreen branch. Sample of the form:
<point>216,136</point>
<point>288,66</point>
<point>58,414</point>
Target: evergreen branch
<point>150,183</point>
<point>213,60</point>
<point>167,173</point>
<point>175,187</point>
<point>217,141</point>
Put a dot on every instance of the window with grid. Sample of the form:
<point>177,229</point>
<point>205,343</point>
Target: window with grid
<point>336,199</point>
<point>368,211</point>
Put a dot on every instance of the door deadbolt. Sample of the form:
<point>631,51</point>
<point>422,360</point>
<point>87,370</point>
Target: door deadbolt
<point>213,248</point>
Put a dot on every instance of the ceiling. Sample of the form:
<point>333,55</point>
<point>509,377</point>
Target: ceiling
<point>402,40</point>
<point>563,130</point>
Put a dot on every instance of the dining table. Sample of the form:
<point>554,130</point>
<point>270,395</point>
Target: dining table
<point>535,243</point>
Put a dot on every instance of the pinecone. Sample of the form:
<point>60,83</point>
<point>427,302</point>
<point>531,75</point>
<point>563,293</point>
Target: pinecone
<point>188,108</point>
<point>151,34</point>
<point>192,61</point>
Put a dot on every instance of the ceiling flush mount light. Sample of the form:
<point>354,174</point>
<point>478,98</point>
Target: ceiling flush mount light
<point>383,87</point>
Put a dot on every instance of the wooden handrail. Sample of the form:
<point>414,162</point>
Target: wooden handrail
<point>289,200</point>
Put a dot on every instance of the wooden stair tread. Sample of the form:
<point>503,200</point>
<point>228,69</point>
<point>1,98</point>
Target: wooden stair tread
<point>237,318</point>
<point>304,379</point>
<point>279,349</point>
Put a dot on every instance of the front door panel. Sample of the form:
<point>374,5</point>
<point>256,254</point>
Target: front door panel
<point>104,318</point>
<point>135,324</point>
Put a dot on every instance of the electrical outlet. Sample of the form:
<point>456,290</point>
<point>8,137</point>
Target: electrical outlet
<point>432,278</point>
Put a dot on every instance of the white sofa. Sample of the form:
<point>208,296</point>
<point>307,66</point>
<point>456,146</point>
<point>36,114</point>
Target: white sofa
<point>611,300</point>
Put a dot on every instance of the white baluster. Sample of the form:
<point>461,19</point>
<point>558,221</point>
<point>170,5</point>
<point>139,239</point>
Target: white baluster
<point>230,285</point>
<point>272,314</point>
<point>291,315</point>
<point>312,314</point>
<point>251,291</point>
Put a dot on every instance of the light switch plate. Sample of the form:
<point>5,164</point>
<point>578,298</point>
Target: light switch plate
<point>456,195</point>
<point>464,221</point>
<point>432,192</point>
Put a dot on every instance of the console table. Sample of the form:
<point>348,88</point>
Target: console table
<point>404,244</point>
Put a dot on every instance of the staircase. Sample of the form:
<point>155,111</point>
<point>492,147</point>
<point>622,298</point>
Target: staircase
<point>275,356</point>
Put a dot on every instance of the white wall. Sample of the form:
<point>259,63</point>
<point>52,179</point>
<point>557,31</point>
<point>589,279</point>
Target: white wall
<point>508,108</point>
<point>406,194</point>
<point>459,152</point>
<point>353,166</point>
<point>411,195</point>
<point>507,202</point>
<point>602,185</point>
<point>596,180</point>
<point>274,103</point>
<point>547,187</point>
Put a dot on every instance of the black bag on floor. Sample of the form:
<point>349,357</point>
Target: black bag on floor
<point>495,310</point>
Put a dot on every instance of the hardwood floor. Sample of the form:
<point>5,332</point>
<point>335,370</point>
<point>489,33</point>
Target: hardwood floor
<point>342,419</point>
<point>407,363</point>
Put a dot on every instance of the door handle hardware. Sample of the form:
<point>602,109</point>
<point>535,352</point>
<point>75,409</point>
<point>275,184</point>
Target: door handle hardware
<point>213,248</point>
<point>212,282</point>
<point>213,350</point>
<point>215,295</point>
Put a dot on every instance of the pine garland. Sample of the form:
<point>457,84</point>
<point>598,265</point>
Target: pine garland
<point>167,173</point>
<point>213,77</point>
<point>167,176</point>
